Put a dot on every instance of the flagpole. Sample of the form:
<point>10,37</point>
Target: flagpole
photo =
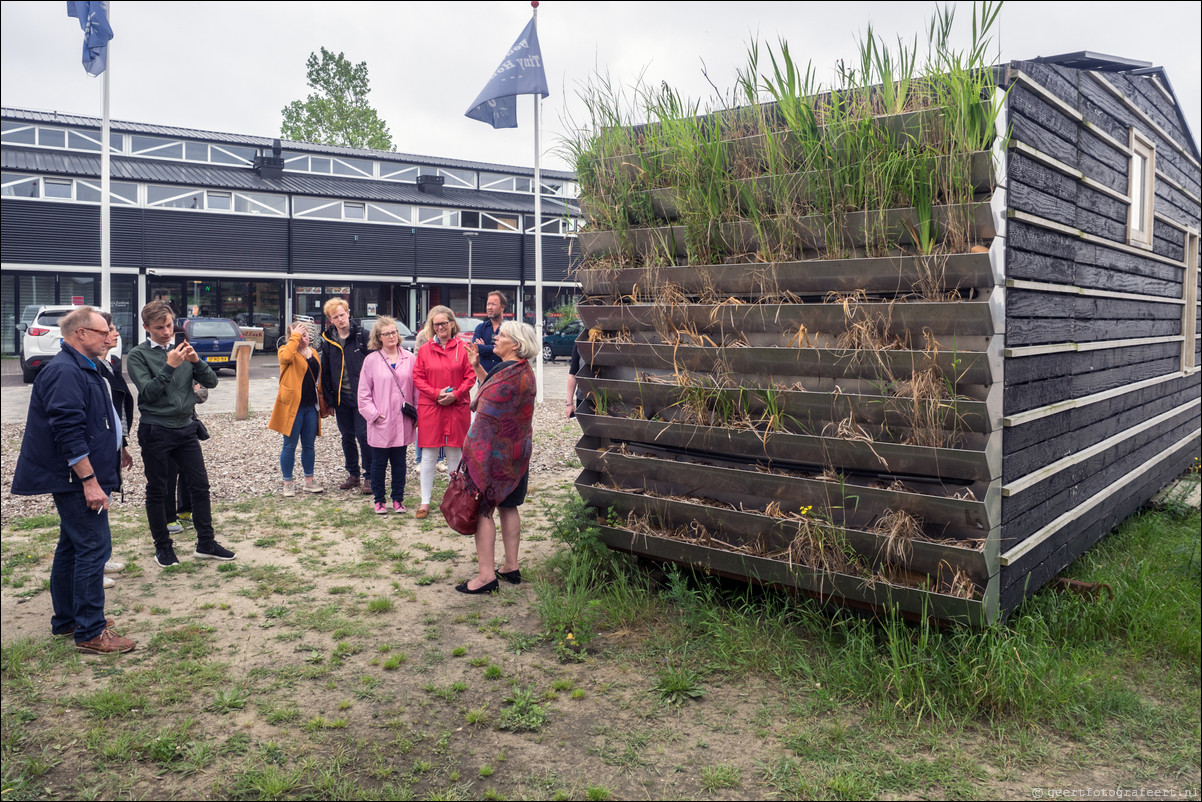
<point>106,267</point>
<point>538,242</point>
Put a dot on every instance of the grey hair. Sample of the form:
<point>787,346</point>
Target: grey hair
<point>523,335</point>
<point>78,318</point>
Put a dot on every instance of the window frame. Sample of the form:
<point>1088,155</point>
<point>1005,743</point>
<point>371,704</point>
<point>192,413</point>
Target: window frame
<point>1141,191</point>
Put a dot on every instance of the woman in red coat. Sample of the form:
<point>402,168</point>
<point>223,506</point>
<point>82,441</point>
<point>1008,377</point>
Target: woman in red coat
<point>444,378</point>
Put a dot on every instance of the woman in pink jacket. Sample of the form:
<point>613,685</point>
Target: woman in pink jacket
<point>444,379</point>
<point>385,390</point>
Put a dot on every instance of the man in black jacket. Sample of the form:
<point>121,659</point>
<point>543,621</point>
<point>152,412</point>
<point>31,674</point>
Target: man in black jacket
<point>72,449</point>
<point>345,348</point>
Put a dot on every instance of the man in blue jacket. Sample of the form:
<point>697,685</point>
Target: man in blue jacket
<point>72,450</point>
<point>487,330</point>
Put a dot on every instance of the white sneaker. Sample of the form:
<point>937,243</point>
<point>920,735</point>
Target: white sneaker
<point>112,567</point>
<point>108,583</point>
<point>441,466</point>
<point>311,486</point>
<point>289,489</point>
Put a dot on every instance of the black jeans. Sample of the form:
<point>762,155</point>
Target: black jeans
<point>382,458</point>
<point>353,427</point>
<point>160,447</point>
<point>180,499</point>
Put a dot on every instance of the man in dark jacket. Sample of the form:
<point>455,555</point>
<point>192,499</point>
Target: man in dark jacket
<point>345,348</point>
<point>165,374</point>
<point>72,450</point>
<point>487,330</point>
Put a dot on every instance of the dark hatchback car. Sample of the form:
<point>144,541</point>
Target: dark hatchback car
<point>213,338</point>
<point>560,341</point>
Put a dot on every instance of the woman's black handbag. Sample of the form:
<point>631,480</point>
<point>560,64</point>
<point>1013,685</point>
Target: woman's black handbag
<point>461,503</point>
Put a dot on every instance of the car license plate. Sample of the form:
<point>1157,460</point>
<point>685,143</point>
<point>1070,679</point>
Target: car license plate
<point>217,359</point>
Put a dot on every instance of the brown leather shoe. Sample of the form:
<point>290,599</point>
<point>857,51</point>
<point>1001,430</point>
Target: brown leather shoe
<point>350,483</point>
<point>365,488</point>
<point>422,511</point>
<point>108,624</point>
<point>107,642</point>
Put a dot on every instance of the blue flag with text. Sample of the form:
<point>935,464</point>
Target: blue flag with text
<point>94,19</point>
<point>520,73</point>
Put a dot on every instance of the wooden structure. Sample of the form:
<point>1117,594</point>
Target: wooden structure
<point>936,402</point>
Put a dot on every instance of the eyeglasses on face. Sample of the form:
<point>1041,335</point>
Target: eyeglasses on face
<point>440,325</point>
<point>388,333</point>
<point>104,332</point>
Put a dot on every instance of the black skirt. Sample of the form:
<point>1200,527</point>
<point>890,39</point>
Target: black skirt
<point>518,495</point>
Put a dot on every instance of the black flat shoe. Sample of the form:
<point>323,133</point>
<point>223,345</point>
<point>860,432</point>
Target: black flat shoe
<point>491,587</point>
<point>513,577</point>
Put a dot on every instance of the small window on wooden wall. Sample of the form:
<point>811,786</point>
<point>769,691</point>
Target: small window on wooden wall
<point>1189,313</point>
<point>1141,188</point>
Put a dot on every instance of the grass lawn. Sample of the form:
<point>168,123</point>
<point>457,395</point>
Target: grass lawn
<point>334,660</point>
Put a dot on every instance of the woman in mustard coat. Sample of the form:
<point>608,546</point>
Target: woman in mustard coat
<point>296,412</point>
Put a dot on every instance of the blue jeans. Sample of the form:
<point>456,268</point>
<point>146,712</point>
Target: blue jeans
<point>77,574</point>
<point>304,429</point>
<point>380,460</point>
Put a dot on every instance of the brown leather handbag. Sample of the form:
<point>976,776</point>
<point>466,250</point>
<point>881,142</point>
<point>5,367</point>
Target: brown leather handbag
<point>461,503</point>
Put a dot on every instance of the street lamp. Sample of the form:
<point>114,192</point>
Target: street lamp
<point>470,236</point>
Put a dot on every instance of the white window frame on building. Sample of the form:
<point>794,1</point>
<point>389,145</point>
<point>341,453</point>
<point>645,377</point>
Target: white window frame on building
<point>1141,189</point>
<point>1189,313</point>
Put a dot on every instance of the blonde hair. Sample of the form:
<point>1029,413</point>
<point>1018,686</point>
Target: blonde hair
<point>382,321</point>
<point>523,335</point>
<point>428,329</point>
<point>328,308</point>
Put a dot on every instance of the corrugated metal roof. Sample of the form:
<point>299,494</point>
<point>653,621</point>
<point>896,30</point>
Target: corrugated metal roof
<point>121,126</point>
<point>1089,60</point>
<point>156,171</point>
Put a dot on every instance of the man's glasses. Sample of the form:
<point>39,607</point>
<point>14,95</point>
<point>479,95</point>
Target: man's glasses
<point>105,332</point>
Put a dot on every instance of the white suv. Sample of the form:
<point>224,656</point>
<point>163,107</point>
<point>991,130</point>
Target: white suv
<point>41,339</point>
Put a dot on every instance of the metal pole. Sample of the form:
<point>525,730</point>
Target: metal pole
<point>538,247</point>
<point>469,235</point>
<point>106,266</point>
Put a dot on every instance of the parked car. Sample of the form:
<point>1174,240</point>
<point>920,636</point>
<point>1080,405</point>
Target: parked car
<point>212,338</point>
<point>560,341</point>
<point>467,327</point>
<point>408,336</point>
<point>41,339</point>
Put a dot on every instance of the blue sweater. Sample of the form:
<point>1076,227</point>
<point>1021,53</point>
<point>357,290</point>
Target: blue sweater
<point>488,359</point>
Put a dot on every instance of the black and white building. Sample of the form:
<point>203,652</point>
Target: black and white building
<point>253,229</point>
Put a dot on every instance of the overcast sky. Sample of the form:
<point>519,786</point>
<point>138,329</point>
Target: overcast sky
<point>232,67</point>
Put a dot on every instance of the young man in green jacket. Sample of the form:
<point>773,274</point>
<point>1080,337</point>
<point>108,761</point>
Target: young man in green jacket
<point>164,373</point>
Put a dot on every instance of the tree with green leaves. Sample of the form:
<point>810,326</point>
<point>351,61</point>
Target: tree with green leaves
<point>337,113</point>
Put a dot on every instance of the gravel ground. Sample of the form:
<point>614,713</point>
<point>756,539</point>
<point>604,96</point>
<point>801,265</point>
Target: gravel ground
<point>243,458</point>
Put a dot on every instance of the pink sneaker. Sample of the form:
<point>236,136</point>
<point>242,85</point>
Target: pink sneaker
<point>398,507</point>
<point>381,509</point>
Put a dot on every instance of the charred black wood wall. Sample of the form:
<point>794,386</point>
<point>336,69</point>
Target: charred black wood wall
<point>1098,410</point>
